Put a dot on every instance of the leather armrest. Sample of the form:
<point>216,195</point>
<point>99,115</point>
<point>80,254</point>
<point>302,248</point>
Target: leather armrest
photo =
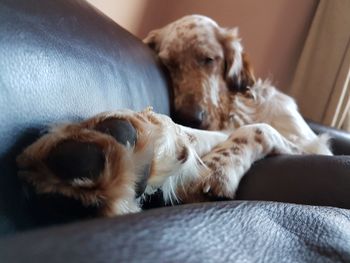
<point>216,232</point>
<point>340,140</point>
<point>310,179</point>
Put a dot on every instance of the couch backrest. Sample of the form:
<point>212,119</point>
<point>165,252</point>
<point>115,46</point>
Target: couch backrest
<point>61,61</point>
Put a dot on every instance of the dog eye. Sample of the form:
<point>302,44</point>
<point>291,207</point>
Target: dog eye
<point>206,61</point>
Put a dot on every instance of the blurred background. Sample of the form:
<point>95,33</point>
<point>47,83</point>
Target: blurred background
<point>303,46</point>
<point>273,31</point>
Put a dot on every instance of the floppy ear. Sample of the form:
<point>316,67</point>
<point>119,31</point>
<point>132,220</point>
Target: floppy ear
<point>152,40</point>
<point>238,73</point>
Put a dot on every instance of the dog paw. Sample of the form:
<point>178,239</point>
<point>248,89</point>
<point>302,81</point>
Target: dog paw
<point>90,161</point>
<point>78,151</point>
<point>220,182</point>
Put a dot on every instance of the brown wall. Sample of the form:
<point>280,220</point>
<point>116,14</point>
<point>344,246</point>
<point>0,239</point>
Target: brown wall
<point>273,31</point>
<point>126,13</point>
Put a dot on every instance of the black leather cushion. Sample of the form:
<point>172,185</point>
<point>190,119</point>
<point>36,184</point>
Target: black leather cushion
<point>215,232</point>
<point>61,61</point>
<point>311,179</point>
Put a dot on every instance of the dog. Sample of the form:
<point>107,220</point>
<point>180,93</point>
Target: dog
<point>112,160</point>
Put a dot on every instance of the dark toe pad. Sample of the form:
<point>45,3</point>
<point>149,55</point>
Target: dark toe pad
<point>121,130</point>
<point>72,159</point>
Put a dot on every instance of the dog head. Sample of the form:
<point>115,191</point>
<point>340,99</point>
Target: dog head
<point>207,67</point>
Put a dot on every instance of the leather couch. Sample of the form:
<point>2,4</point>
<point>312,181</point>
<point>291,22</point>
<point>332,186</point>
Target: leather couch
<point>64,60</point>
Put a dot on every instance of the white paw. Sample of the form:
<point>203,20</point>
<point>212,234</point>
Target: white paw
<point>220,183</point>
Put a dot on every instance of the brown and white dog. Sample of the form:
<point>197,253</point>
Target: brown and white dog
<point>110,160</point>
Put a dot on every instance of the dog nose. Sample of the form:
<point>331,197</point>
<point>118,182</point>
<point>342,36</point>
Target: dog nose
<point>189,116</point>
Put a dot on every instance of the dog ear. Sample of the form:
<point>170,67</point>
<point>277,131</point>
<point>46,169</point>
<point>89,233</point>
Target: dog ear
<point>152,40</point>
<point>238,73</point>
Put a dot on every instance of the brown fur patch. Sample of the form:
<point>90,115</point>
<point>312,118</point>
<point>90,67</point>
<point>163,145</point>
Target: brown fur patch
<point>258,131</point>
<point>248,95</point>
<point>211,165</point>
<point>258,139</point>
<point>180,34</point>
<point>191,138</point>
<point>183,154</point>
<point>216,158</point>
<point>240,140</point>
<point>247,76</point>
<point>235,150</point>
<point>191,26</point>
<point>226,154</point>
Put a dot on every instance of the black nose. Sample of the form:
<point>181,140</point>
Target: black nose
<point>189,116</point>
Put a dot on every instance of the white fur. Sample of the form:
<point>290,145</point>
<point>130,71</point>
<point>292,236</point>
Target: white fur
<point>170,172</point>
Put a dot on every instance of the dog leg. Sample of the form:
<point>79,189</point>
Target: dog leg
<point>176,165</point>
<point>107,161</point>
<point>230,160</point>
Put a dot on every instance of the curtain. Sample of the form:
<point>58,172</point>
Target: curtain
<point>321,84</point>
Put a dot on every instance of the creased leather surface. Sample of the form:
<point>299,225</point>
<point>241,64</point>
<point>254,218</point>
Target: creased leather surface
<point>62,61</point>
<point>215,232</point>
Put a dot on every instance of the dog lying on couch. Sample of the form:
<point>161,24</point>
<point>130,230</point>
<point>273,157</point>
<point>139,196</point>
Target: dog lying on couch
<point>110,160</point>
